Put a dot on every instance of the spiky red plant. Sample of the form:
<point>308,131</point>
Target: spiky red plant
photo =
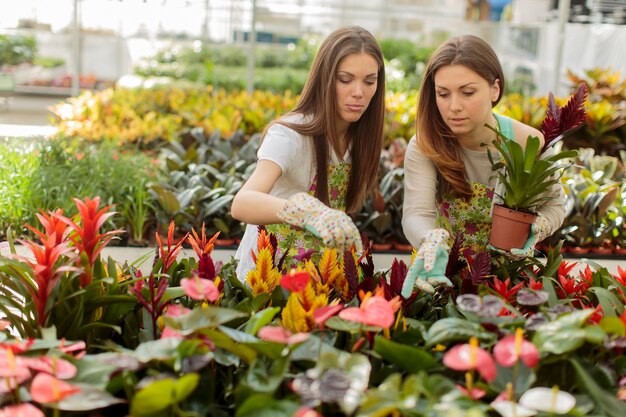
<point>560,120</point>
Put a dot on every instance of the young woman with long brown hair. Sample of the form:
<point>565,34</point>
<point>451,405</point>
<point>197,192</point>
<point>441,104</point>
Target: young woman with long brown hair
<point>319,161</point>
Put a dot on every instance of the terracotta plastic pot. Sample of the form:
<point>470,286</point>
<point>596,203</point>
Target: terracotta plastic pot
<point>510,228</point>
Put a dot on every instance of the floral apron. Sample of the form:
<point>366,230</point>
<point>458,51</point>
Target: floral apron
<point>299,242</point>
<point>470,217</point>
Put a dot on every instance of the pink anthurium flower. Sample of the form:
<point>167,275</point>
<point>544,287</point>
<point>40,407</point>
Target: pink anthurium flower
<point>200,289</point>
<point>58,367</point>
<point>322,314</point>
<point>469,356</point>
<point>21,410</point>
<point>281,335</point>
<point>375,310</point>
<point>47,389</point>
<point>295,281</point>
<point>509,350</point>
<point>306,412</point>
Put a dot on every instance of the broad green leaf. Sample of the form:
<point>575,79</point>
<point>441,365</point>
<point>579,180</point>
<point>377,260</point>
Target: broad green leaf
<point>225,342</point>
<point>154,398</point>
<point>160,349</point>
<point>337,323</point>
<point>89,398</point>
<point>260,405</point>
<point>203,318</point>
<point>185,385</point>
<point>565,334</point>
<point>260,319</point>
<point>613,325</point>
<point>452,329</point>
<point>409,358</point>
<point>608,403</point>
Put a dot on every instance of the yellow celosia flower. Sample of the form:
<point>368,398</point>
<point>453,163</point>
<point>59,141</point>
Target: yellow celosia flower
<point>265,277</point>
<point>298,313</point>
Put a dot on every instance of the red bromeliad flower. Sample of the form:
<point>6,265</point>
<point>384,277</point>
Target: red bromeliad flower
<point>469,357</point>
<point>509,350</point>
<point>47,270</point>
<point>47,389</point>
<point>169,254</point>
<point>87,237</point>
<point>535,285</point>
<point>502,288</point>
<point>52,225</point>
<point>571,287</point>
<point>203,248</point>
<point>565,268</point>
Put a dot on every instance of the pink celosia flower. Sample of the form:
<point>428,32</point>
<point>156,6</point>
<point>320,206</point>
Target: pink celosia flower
<point>21,410</point>
<point>509,350</point>
<point>200,289</point>
<point>469,356</point>
<point>281,335</point>
<point>47,389</point>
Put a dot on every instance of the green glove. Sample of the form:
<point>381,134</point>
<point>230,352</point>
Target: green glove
<point>539,230</point>
<point>334,227</point>
<point>429,266</point>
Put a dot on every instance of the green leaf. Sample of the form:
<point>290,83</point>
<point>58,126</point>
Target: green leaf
<point>565,334</point>
<point>611,305</point>
<point>452,329</point>
<point>260,405</point>
<point>89,398</point>
<point>185,386</point>
<point>337,323</point>
<point>225,342</point>
<point>613,325</point>
<point>203,318</point>
<point>154,398</point>
<point>608,403</point>
<point>260,319</point>
<point>409,358</point>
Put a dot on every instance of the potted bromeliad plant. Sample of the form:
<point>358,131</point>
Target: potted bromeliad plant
<point>525,174</point>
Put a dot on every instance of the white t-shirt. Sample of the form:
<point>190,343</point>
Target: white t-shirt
<point>295,155</point>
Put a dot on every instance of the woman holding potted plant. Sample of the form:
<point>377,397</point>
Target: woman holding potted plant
<point>449,181</point>
<point>319,161</point>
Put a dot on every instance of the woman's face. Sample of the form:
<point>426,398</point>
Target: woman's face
<point>464,100</point>
<point>355,85</point>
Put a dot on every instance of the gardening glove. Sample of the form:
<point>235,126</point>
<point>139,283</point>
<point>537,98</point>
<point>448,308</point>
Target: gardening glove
<point>539,230</point>
<point>429,266</point>
<point>334,227</point>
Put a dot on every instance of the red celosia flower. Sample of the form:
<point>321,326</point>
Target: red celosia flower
<point>200,289</point>
<point>47,389</point>
<point>295,281</point>
<point>169,254</point>
<point>281,335</point>
<point>470,356</point>
<point>374,310</point>
<point>21,410</point>
<point>509,350</point>
<point>502,288</point>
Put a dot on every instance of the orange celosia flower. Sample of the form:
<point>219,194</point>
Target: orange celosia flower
<point>203,248</point>
<point>265,277</point>
<point>331,273</point>
<point>169,254</point>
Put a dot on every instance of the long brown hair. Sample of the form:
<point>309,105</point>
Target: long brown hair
<point>435,140</point>
<point>318,102</point>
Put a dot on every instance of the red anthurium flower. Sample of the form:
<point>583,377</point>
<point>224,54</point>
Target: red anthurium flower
<point>509,350</point>
<point>322,314</point>
<point>281,335</point>
<point>503,289</point>
<point>13,367</point>
<point>58,367</point>
<point>295,281</point>
<point>374,310</point>
<point>47,389</point>
<point>17,346</point>
<point>468,357</point>
<point>21,410</point>
<point>200,289</point>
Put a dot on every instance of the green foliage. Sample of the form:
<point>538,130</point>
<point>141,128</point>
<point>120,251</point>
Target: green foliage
<point>17,49</point>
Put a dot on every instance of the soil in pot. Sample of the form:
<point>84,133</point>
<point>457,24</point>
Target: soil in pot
<point>510,228</point>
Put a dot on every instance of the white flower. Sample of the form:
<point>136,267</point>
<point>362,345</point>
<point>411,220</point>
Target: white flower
<point>548,399</point>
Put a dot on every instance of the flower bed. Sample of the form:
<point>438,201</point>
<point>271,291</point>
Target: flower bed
<point>331,336</point>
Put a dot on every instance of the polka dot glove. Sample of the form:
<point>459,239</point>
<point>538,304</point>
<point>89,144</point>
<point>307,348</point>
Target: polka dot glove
<point>539,230</point>
<point>429,266</point>
<point>334,227</point>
